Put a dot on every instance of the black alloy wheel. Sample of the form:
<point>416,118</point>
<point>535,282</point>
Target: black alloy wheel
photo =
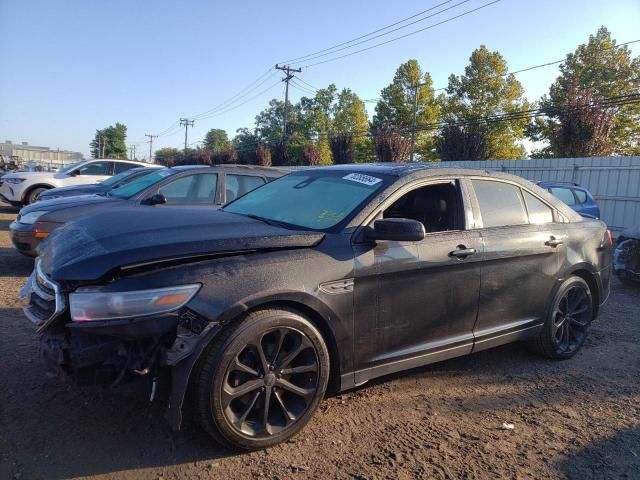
<point>571,319</point>
<point>261,381</point>
<point>567,326</point>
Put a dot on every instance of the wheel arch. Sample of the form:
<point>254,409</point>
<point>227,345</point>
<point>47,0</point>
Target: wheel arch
<point>309,306</point>
<point>587,273</point>
<point>29,189</point>
<point>318,320</point>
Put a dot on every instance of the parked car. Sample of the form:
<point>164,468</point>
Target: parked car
<point>574,195</point>
<point>320,280</point>
<point>23,188</point>
<point>96,188</point>
<point>626,257</point>
<point>178,186</point>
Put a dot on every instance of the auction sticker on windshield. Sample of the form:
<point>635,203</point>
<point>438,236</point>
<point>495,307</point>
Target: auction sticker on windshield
<point>362,178</point>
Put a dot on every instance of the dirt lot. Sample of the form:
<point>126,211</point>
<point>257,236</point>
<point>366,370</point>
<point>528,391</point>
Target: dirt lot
<point>575,419</point>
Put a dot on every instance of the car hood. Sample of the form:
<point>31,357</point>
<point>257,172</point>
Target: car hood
<point>67,202</point>
<point>85,189</point>
<point>86,249</point>
<point>30,175</point>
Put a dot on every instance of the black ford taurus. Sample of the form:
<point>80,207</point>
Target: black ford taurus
<point>316,282</point>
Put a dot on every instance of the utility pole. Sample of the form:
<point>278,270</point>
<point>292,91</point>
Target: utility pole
<point>98,154</point>
<point>151,137</point>
<point>186,123</point>
<point>287,69</point>
<point>415,114</point>
<point>103,145</point>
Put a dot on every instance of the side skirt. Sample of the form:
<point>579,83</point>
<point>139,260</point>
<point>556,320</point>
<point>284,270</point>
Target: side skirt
<point>483,340</point>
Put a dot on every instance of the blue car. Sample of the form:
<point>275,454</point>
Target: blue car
<point>574,195</point>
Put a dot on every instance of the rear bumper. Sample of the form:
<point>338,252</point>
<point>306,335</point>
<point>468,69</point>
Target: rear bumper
<point>23,239</point>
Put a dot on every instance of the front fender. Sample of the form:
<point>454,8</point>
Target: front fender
<point>182,371</point>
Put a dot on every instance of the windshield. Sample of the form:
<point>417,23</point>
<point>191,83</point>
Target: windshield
<point>139,184</point>
<point>316,200</point>
<point>66,168</point>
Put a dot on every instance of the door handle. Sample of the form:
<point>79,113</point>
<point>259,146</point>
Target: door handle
<point>461,252</point>
<point>553,242</point>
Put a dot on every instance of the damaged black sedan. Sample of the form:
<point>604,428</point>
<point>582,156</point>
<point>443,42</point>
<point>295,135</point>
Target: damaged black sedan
<point>316,282</point>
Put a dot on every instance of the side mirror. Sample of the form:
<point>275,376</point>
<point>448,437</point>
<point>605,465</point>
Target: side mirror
<point>157,199</point>
<point>397,229</point>
<point>74,173</point>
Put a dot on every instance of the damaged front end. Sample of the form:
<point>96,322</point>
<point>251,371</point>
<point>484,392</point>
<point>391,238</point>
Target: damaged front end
<point>104,337</point>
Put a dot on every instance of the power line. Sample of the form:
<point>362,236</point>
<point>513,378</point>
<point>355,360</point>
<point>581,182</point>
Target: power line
<point>217,114</point>
<point>468,12</point>
<point>367,34</point>
<point>238,96</point>
<point>306,83</point>
<point>313,57</point>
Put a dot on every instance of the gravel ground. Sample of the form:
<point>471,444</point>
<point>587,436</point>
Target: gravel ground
<point>574,419</point>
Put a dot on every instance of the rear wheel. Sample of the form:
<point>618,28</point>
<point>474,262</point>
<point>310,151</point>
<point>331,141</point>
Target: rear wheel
<point>261,381</point>
<point>33,195</point>
<point>567,324</point>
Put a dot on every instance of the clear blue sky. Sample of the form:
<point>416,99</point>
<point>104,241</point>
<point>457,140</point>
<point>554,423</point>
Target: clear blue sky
<point>71,66</point>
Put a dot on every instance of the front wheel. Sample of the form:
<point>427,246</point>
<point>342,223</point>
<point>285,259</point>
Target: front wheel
<point>568,321</point>
<point>34,194</point>
<point>261,381</point>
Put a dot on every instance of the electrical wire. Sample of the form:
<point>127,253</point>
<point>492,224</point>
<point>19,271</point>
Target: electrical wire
<point>314,57</point>
<point>450,19</point>
<point>367,34</point>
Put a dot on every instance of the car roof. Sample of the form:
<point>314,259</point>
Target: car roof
<point>139,169</point>
<point>414,169</point>
<point>550,183</point>
<point>235,168</point>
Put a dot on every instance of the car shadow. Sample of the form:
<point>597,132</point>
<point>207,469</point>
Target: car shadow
<point>52,429</point>
<point>617,456</point>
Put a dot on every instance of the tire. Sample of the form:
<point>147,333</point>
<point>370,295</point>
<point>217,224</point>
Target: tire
<point>624,279</point>
<point>567,325</point>
<point>233,382</point>
<point>33,195</point>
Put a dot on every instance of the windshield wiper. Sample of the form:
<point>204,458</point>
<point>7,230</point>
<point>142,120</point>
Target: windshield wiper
<point>262,219</point>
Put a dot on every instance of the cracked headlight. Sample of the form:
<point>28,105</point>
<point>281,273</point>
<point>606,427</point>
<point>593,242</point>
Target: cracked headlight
<point>89,304</point>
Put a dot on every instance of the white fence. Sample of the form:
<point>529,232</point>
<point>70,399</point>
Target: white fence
<point>613,181</point>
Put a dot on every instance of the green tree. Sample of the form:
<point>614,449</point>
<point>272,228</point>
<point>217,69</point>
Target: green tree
<point>487,89</point>
<point>350,120</point>
<point>111,142</point>
<point>216,140</point>
<point>605,70</point>
<point>168,156</point>
<point>395,107</point>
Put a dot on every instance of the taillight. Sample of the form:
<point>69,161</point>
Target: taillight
<point>609,239</point>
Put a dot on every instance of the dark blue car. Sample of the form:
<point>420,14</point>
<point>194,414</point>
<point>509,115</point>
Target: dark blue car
<point>574,195</point>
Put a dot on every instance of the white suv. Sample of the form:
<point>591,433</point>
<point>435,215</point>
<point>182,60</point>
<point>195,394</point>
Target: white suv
<point>23,188</point>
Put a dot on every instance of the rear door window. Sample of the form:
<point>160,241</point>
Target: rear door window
<point>539,212</point>
<point>564,194</point>
<point>97,168</point>
<point>581,195</point>
<point>238,185</point>
<point>500,203</point>
<point>123,166</point>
